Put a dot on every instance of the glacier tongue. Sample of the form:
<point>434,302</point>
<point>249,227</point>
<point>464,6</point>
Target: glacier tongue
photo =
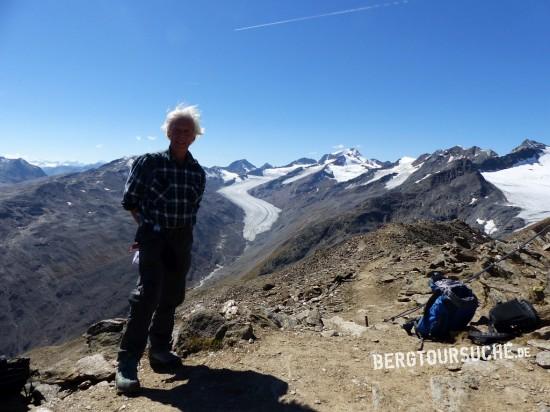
<point>259,215</point>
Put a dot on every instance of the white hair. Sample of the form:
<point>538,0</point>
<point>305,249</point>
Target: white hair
<point>182,111</point>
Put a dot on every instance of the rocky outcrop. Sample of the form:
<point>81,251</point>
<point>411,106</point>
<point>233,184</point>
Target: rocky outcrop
<point>208,330</point>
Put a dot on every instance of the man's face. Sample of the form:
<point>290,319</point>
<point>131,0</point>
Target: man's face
<point>181,133</point>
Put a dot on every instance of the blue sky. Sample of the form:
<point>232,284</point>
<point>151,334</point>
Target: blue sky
<point>83,80</point>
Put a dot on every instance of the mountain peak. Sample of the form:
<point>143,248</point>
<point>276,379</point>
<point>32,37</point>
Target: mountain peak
<point>344,156</point>
<point>241,167</point>
<point>529,144</point>
<point>18,170</point>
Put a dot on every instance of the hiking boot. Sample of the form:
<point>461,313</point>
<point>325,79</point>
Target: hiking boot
<point>164,359</point>
<point>126,379</point>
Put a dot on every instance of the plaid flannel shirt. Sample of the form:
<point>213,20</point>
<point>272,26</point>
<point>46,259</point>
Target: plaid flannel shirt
<point>164,192</point>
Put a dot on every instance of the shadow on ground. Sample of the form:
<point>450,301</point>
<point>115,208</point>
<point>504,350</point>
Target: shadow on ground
<point>17,403</point>
<point>206,389</point>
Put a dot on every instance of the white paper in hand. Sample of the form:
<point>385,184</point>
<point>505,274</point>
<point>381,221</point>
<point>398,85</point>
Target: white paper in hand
<point>135,260</point>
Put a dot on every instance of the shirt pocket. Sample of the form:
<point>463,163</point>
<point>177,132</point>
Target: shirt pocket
<point>160,190</point>
<point>187,194</point>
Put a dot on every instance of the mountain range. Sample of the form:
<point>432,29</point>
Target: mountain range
<point>19,170</point>
<point>64,239</point>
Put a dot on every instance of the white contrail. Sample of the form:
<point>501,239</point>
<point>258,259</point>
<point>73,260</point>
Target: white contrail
<point>317,16</point>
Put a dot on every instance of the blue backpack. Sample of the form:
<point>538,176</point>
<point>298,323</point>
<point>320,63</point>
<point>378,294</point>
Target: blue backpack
<point>450,308</point>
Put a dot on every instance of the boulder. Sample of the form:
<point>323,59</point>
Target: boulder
<point>238,331</point>
<point>344,327</point>
<point>266,319</point>
<point>208,330</point>
<point>66,373</point>
<point>107,325</point>
<point>286,321</point>
<point>104,336</point>
<point>47,392</point>
<point>543,359</point>
<point>314,318</point>
<point>203,330</point>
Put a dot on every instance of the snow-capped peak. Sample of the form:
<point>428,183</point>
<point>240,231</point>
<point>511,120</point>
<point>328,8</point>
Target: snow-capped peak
<point>348,157</point>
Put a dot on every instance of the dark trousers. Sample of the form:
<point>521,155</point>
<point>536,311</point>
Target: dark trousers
<point>164,260</point>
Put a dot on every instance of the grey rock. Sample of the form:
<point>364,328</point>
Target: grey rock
<point>539,344</point>
<point>542,333</point>
<point>387,278</point>
<point>49,392</point>
<point>302,315</point>
<point>95,368</point>
<point>92,368</point>
<point>344,327</point>
<point>314,318</point>
<point>107,325</point>
<point>266,319</point>
<point>416,286</point>
<point>203,330</point>
<point>438,262</point>
<point>420,299</point>
<point>462,242</point>
<point>287,321</point>
<point>543,359</point>
<point>238,331</point>
<point>496,296</point>
<point>310,293</point>
<point>105,336</point>
<point>465,256</point>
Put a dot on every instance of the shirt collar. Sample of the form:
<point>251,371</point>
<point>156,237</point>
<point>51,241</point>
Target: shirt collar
<point>188,159</point>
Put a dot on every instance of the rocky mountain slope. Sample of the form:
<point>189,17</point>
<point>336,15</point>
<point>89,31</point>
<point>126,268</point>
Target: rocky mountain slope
<point>68,234</point>
<point>64,242</point>
<point>317,326</point>
<point>18,170</point>
<point>344,193</point>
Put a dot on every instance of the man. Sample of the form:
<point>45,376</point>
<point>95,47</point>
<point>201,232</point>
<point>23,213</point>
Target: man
<point>163,193</point>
